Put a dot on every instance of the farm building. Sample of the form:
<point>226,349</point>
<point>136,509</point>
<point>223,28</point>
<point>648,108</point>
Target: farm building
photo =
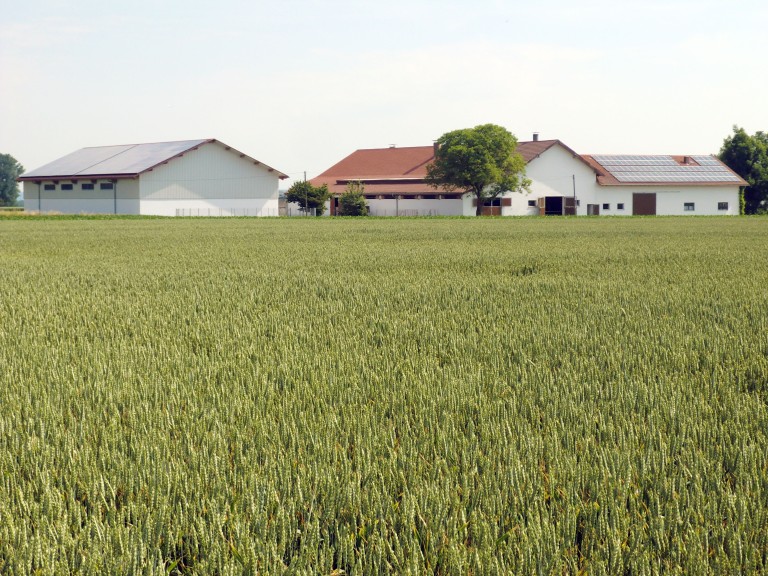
<point>563,183</point>
<point>183,178</point>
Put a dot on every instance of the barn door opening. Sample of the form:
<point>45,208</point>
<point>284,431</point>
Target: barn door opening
<point>553,205</point>
<point>644,204</point>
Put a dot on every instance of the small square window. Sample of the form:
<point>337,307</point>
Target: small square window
<point>532,203</point>
<point>620,206</point>
<point>49,187</point>
<point>106,186</point>
<point>578,202</point>
<point>606,206</point>
<point>86,186</point>
<point>722,205</point>
<point>67,187</point>
<point>689,206</point>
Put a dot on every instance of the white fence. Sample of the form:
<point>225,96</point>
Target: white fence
<point>372,211</point>
<point>287,212</point>
<point>229,212</point>
<point>293,212</point>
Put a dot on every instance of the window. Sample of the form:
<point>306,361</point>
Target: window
<point>620,206</point>
<point>49,187</point>
<point>86,186</point>
<point>606,206</point>
<point>106,186</point>
<point>689,207</point>
<point>722,205</point>
<point>532,203</point>
<point>66,186</point>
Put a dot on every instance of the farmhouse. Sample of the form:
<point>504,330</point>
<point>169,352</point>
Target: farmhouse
<point>563,183</point>
<point>183,178</point>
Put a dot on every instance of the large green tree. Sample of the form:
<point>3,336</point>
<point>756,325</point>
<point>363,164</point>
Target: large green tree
<point>748,157</point>
<point>308,197</point>
<point>10,169</point>
<point>482,161</point>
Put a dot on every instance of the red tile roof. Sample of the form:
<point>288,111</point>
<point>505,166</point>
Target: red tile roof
<point>401,170</point>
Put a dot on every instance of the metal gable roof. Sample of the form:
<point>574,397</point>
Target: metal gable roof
<point>128,160</point>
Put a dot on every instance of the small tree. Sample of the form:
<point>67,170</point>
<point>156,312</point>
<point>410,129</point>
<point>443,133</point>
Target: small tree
<point>748,157</point>
<point>10,169</point>
<point>352,202</point>
<point>482,161</point>
<point>308,197</point>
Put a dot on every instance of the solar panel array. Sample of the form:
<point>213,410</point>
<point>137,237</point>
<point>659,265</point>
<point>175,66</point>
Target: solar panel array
<point>128,159</point>
<point>649,169</point>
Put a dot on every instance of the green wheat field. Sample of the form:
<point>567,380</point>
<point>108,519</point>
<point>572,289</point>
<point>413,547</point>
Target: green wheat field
<point>363,396</point>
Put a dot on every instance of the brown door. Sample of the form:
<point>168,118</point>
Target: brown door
<point>593,209</point>
<point>569,208</point>
<point>491,210</point>
<point>542,206</point>
<point>644,204</point>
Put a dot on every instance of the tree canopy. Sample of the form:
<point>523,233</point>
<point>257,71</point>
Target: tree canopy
<point>748,157</point>
<point>352,202</point>
<point>10,169</point>
<point>482,161</point>
<point>308,197</point>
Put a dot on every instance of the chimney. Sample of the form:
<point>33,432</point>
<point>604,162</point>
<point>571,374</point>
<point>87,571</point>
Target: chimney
<point>535,136</point>
<point>435,146</point>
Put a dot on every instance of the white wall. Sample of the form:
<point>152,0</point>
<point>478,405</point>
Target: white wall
<point>704,198</point>
<point>670,202</point>
<point>214,207</point>
<point>79,201</point>
<point>212,179</point>
<point>556,172</point>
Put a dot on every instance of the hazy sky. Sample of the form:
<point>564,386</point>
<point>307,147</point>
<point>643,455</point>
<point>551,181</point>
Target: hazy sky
<point>299,84</point>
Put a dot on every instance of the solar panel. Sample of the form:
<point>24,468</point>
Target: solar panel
<point>635,160</point>
<point>128,159</point>
<point>650,169</point>
<point>707,160</point>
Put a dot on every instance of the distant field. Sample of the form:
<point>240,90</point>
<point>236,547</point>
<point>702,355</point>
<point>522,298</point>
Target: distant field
<point>471,396</point>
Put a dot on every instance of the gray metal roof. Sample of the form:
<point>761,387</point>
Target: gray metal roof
<point>667,169</point>
<point>130,159</point>
<point>115,161</point>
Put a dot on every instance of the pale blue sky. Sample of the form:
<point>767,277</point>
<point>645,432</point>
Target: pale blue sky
<point>299,84</point>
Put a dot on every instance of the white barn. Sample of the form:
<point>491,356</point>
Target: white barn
<point>182,178</point>
<point>562,183</point>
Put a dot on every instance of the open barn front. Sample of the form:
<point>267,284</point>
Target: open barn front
<point>557,206</point>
